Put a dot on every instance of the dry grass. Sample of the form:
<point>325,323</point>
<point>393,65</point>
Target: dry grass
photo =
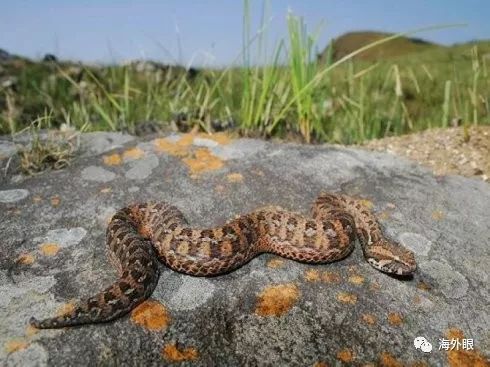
<point>54,151</point>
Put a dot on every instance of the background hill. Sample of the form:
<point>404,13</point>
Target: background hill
<point>352,41</point>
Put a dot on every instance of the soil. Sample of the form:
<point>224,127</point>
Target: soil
<point>459,150</point>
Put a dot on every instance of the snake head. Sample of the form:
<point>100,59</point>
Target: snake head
<point>391,258</point>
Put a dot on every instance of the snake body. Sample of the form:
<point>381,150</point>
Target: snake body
<point>140,234</point>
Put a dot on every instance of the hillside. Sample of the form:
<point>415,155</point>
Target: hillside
<point>352,41</point>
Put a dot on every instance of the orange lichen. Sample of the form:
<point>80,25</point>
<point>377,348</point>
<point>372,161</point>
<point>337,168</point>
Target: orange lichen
<point>277,300</point>
<point>320,364</point>
<point>423,286</point>
<point>177,148</point>
<point>133,153</point>
<point>312,275</point>
<point>182,145</point>
<point>31,330</point>
<point>437,215</point>
<point>151,315</point>
<point>26,259</point>
<point>112,160</point>
<point>368,318</point>
<point>172,353</point>
<point>163,145</point>
<point>395,319</point>
<point>387,360</point>
<point>345,297</point>
<point>462,357</point>
<point>330,277</point>
<point>55,201</point>
<point>202,160</point>
<point>234,177</point>
<point>374,287</point>
<point>15,345</point>
<point>356,279</point>
<point>187,139</point>
<point>66,309</point>
<point>275,263</point>
<point>49,249</point>
<point>220,138</point>
<point>345,355</point>
<point>198,160</point>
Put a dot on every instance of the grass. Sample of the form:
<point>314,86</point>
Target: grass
<point>303,69</point>
<point>343,101</point>
<point>52,152</point>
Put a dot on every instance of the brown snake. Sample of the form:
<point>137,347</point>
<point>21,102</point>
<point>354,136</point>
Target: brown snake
<point>141,233</point>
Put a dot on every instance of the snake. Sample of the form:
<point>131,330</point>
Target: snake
<point>141,235</point>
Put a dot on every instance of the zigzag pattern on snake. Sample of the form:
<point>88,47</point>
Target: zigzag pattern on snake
<point>140,234</point>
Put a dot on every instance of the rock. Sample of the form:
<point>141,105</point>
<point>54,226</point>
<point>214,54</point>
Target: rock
<point>11,196</point>
<point>7,149</point>
<point>100,142</point>
<point>8,81</point>
<point>270,311</point>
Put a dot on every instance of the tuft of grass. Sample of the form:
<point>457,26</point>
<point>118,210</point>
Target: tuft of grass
<point>303,69</point>
<point>262,87</point>
<point>11,112</point>
<point>42,154</point>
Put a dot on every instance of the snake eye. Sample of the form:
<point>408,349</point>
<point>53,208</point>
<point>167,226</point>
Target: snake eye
<point>404,268</point>
<point>400,267</point>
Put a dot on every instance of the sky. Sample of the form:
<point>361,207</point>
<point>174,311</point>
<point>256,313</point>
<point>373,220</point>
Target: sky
<point>209,32</point>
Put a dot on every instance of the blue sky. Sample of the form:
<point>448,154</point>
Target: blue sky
<point>210,32</point>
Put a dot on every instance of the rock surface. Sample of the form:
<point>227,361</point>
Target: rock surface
<point>269,312</point>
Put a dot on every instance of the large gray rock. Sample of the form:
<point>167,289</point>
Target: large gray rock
<point>269,312</point>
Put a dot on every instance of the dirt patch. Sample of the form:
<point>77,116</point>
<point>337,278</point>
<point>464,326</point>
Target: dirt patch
<point>457,150</point>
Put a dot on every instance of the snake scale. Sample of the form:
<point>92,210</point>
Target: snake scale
<point>140,234</point>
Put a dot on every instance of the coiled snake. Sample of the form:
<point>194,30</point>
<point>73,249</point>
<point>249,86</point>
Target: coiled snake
<point>140,234</point>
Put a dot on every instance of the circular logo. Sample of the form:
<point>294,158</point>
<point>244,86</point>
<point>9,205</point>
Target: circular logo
<point>423,344</point>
